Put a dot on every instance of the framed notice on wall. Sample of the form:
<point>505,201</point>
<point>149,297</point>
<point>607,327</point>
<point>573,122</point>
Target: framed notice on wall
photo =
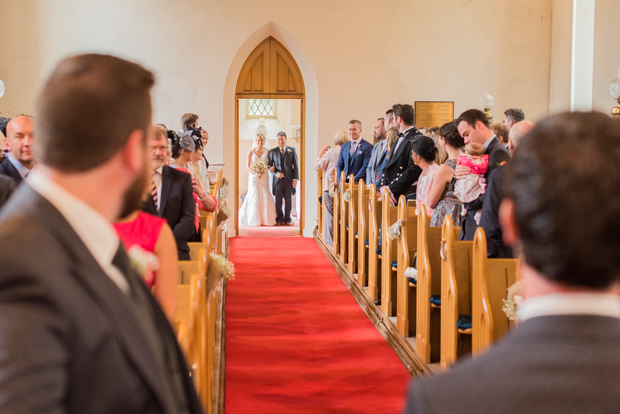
<point>433,113</point>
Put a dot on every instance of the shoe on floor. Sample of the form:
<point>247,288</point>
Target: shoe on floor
<point>378,302</point>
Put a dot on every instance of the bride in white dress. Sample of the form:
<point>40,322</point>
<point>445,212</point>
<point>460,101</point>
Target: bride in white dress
<point>259,208</point>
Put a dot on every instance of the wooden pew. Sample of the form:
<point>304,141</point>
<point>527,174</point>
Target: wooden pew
<point>362,230</point>
<point>491,279</point>
<point>374,260</point>
<point>456,264</point>
<point>320,212</point>
<point>216,235</point>
<point>344,219</point>
<point>428,325</point>
<point>336,214</point>
<point>353,232</point>
<point>406,250</point>
<point>389,216</point>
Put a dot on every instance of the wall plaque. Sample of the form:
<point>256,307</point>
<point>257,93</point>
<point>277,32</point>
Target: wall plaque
<point>433,113</point>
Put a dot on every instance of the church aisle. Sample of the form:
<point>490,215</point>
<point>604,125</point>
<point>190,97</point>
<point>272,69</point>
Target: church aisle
<point>296,339</point>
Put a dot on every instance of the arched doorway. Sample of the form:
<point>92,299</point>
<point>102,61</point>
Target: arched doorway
<point>271,73</point>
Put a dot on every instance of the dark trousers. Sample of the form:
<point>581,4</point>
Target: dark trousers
<point>284,190</point>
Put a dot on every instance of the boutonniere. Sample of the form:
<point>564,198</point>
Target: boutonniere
<point>143,262</point>
<point>288,150</point>
<point>499,164</point>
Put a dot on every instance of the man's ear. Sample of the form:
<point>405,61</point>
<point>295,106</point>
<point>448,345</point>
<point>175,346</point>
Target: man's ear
<point>135,151</point>
<point>510,232</point>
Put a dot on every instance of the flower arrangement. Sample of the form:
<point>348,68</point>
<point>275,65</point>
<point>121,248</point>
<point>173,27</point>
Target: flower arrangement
<point>143,262</point>
<point>259,168</point>
<point>223,214</point>
<point>514,300</point>
<point>333,190</point>
<point>223,192</point>
<point>220,268</point>
<point>394,230</point>
<point>346,196</point>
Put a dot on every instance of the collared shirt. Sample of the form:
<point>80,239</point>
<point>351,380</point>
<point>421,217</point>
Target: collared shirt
<point>21,169</point>
<point>599,304</point>
<point>355,143</point>
<point>486,144</point>
<point>97,233</point>
<point>401,138</point>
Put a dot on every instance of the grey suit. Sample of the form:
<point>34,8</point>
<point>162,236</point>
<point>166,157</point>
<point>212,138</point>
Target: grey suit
<point>374,162</point>
<point>550,364</point>
<point>70,340</point>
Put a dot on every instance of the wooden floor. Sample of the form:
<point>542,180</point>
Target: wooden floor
<point>404,347</point>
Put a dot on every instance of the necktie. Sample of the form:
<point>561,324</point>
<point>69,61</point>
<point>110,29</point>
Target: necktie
<point>154,184</point>
<point>353,145</point>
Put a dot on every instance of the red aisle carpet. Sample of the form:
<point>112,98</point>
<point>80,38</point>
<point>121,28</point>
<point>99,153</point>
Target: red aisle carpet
<point>296,339</point>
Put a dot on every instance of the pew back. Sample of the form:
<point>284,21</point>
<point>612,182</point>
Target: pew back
<point>389,215</point>
<point>374,221</point>
<point>428,324</point>
<point>353,233</point>
<point>344,219</point>
<point>362,229</point>
<point>319,207</point>
<point>336,214</point>
<point>491,279</point>
<point>406,251</point>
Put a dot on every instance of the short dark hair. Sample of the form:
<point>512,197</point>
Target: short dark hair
<point>471,116</point>
<point>451,134</point>
<point>563,181</point>
<point>189,119</point>
<point>405,112</point>
<point>425,147</point>
<point>88,108</point>
<point>515,114</point>
<point>355,121</point>
<point>3,122</point>
<point>282,133</point>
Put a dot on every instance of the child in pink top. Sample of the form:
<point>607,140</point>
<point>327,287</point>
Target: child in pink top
<point>469,188</point>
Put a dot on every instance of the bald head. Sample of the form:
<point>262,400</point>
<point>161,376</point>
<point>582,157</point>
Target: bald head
<point>19,139</point>
<point>517,132</point>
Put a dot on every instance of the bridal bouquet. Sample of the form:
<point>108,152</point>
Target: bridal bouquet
<point>259,168</point>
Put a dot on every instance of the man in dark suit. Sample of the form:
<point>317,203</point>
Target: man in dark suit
<point>400,173</point>
<point>354,154</point>
<point>7,186</point>
<point>283,164</point>
<point>489,220</point>
<point>79,331</point>
<point>172,195</point>
<point>563,356</point>
<point>19,140</point>
<point>474,126</point>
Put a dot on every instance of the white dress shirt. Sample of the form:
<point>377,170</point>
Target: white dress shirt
<point>599,304</point>
<point>401,137</point>
<point>488,142</point>
<point>97,233</point>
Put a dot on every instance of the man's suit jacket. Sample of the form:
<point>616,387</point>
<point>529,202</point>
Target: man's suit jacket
<point>7,168</point>
<point>376,158</point>
<point>548,364</point>
<point>401,173</point>
<point>7,186</point>
<point>176,206</point>
<point>497,155</point>
<point>356,164</point>
<point>489,220</point>
<point>287,164</point>
<point>70,339</point>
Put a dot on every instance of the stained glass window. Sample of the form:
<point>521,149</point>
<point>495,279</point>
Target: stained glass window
<point>261,107</point>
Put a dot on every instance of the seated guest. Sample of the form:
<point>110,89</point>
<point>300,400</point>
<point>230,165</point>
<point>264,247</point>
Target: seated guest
<point>7,185</point>
<point>441,197</point>
<point>473,126</point>
<point>489,219</point>
<point>512,116</point>
<point>147,235</point>
<point>423,153</point>
<point>563,355</point>
<point>327,160</point>
<point>400,173</point>
<point>19,140</point>
<point>377,155</point>
<point>355,154</point>
<point>501,132</point>
<point>79,331</point>
<point>172,195</point>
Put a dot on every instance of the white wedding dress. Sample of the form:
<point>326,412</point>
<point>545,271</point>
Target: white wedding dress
<point>259,207</point>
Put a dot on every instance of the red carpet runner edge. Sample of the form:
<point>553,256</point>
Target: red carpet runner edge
<point>296,339</point>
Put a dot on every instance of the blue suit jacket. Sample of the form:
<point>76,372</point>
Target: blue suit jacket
<point>355,164</point>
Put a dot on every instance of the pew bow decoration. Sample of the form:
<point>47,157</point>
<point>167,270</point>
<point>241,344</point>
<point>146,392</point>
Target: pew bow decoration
<point>347,196</point>
<point>332,190</point>
<point>220,268</point>
<point>394,230</point>
<point>223,192</point>
<point>514,300</point>
<point>143,262</point>
<point>223,214</point>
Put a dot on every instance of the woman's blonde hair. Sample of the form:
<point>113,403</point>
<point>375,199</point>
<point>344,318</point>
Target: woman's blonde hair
<point>341,137</point>
<point>391,135</point>
<point>442,156</point>
<point>257,137</point>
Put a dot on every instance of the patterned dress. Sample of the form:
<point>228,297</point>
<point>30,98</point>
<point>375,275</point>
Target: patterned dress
<point>448,204</point>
